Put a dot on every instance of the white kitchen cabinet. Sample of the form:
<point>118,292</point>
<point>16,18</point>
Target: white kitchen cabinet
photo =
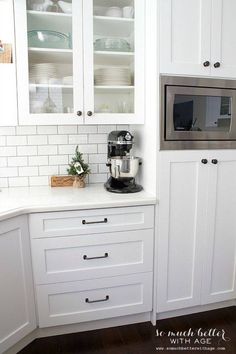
<point>182,223</point>
<point>89,300</point>
<point>81,222</point>
<point>92,264</point>
<point>219,274</point>
<point>17,308</point>
<point>185,36</point>
<point>123,100</point>
<point>73,79</point>
<point>51,93</point>
<point>197,37</point>
<point>72,258</point>
<point>223,46</point>
<point>197,242</point>
<point>8,95</point>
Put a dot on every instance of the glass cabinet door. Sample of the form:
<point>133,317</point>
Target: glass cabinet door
<point>53,71</point>
<point>114,49</point>
<point>8,92</point>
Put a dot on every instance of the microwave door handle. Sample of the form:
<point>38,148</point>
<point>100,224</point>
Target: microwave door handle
<point>169,113</point>
<point>232,132</point>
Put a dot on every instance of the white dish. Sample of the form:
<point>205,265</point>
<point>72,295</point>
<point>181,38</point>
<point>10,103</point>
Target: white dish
<point>42,73</point>
<point>54,81</point>
<point>114,11</point>
<point>112,76</point>
<point>67,80</point>
<point>65,6</point>
<point>128,12</point>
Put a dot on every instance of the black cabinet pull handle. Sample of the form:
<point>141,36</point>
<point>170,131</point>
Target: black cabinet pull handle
<point>79,113</point>
<point>84,222</point>
<point>204,161</point>
<point>214,161</point>
<point>93,301</point>
<point>89,113</point>
<point>86,258</point>
<point>217,65</point>
<point>206,63</point>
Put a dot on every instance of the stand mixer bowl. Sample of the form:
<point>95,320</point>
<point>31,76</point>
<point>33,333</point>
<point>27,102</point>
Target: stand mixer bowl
<point>124,167</point>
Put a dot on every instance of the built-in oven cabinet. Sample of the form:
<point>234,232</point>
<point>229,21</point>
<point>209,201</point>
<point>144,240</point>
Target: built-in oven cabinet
<point>81,62</point>
<point>197,240</point>
<point>200,43</point>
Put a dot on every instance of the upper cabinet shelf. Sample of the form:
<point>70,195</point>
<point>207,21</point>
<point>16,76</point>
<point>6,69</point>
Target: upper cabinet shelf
<point>47,55</point>
<point>113,19</point>
<point>113,58</point>
<point>101,70</point>
<point>114,26</point>
<point>48,14</point>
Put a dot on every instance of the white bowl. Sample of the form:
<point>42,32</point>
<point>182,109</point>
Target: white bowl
<point>65,6</point>
<point>114,11</point>
<point>67,80</point>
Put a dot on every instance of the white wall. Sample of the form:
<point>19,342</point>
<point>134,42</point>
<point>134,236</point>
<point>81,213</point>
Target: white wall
<point>29,155</point>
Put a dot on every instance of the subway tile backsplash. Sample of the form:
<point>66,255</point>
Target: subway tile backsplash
<point>30,155</point>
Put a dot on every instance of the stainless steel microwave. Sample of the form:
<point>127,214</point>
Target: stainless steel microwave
<point>197,113</point>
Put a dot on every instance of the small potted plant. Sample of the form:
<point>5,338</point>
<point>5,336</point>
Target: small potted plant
<point>79,169</point>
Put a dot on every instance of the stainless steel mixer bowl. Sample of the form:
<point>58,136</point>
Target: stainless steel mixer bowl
<point>124,168</point>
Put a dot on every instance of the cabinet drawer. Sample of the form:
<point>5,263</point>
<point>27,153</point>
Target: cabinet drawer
<point>81,301</point>
<point>81,222</point>
<point>90,256</point>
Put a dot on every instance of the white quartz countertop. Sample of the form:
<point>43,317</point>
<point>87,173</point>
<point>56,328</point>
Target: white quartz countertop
<point>17,201</point>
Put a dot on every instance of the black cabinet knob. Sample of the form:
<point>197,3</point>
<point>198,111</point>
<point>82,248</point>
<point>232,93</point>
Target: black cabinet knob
<point>206,63</point>
<point>214,161</point>
<point>217,65</point>
<point>89,113</point>
<point>204,161</point>
<point>79,113</point>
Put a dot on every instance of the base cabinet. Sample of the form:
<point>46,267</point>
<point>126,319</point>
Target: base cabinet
<point>219,273</point>
<point>92,264</point>
<point>75,302</point>
<point>17,308</point>
<point>197,242</point>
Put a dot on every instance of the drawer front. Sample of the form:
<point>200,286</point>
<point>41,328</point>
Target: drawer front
<point>81,222</point>
<point>72,258</point>
<point>88,300</point>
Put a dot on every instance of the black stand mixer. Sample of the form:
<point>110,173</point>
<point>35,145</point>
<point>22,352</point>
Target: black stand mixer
<point>123,167</point>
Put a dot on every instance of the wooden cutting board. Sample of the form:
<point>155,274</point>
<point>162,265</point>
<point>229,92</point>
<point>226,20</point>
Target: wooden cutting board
<point>62,181</point>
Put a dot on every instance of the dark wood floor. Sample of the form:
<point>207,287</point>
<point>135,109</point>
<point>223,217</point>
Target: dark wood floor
<point>142,339</point>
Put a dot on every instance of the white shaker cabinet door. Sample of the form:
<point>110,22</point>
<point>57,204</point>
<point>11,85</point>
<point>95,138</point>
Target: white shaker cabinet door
<point>182,222</point>
<point>185,36</point>
<point>223,39</point>
<point>17,308</point>
<point>219,275</point>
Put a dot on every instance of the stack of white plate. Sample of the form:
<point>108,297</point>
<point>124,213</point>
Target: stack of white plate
<point>112,76</point>
<point>42,73</point>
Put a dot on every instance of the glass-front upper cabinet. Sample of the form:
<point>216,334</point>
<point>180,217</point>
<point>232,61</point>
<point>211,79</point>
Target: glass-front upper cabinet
<point>80,61</point>
<point>114,55</point>
<point>50,61</point>
<point>7,65</point>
